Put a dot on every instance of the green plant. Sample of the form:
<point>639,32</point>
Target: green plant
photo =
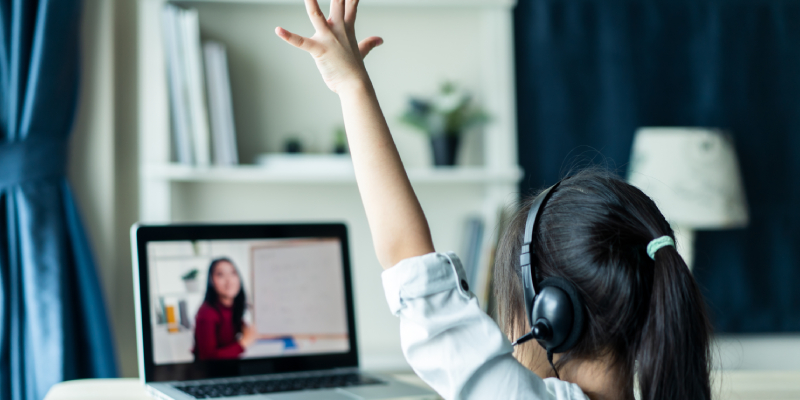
<point>450,112</point>
<point>190,275</point>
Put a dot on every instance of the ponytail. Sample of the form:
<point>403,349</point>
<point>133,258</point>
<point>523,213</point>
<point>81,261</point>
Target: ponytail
<point>673,351</point>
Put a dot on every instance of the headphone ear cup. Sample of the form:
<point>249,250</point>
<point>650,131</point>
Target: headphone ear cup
<point>559,303</point>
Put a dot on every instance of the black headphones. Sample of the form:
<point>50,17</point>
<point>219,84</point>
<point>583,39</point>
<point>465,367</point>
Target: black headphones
<point>554,307</point>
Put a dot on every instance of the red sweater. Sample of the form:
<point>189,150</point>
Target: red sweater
<point>214,336</point>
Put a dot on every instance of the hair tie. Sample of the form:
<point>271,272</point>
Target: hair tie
<point>656,245</point>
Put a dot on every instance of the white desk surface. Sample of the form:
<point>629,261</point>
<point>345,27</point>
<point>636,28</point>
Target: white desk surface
<point>729,385</point>
<point>132,389</point>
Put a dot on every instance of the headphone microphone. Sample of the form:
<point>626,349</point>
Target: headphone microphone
<point>554,307</point>
<point>541,330</point>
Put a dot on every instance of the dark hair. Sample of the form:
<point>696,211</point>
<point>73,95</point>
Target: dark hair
<point>212,297</point>
<point>648,317</point>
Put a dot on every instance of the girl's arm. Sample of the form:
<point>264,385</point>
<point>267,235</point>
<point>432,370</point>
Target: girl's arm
<point>453,345</point>
<point>398,225</point>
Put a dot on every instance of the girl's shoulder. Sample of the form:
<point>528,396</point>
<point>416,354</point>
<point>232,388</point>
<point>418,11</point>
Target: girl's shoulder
<point>207,313</point>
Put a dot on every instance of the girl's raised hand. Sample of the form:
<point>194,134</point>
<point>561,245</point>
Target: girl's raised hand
<point>339,56</point>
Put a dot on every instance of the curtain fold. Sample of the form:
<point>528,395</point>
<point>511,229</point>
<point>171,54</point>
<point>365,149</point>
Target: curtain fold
<point>53,321</point>
<point>590,72</point>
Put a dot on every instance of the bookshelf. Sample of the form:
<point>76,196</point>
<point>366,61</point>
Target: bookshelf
<point>265,175</point>
<point>277,92</point>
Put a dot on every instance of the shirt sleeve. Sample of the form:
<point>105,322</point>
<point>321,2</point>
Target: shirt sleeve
<point>451,343</point>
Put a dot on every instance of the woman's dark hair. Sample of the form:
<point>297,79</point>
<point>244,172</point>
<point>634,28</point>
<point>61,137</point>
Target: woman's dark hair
<point>648,317</point>
<point>212,297</point>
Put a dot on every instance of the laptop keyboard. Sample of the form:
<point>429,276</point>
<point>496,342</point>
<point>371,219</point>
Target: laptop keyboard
<point>273,385</point>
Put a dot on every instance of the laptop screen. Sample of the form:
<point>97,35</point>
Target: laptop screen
<point>231,300</point>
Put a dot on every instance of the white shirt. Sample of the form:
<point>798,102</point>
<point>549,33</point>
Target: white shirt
<point>451,343</point>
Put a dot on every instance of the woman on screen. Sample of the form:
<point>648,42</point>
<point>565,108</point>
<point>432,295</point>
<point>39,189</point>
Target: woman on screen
<point>219,319</point>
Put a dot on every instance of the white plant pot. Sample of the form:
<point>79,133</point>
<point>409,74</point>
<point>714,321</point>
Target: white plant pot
<point>192,285</point>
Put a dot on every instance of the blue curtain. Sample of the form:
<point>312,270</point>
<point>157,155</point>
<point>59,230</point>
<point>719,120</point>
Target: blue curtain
<point>590,72</point>
<point>53,321</point>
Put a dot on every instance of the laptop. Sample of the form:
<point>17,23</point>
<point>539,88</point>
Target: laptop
<point>256,311</point>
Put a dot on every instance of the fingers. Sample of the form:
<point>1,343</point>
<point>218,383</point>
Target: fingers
<point>337,11</point>
<point>350,13</point>
<point>299,41</point>
<point>316,16</point>
<point>366,45</point>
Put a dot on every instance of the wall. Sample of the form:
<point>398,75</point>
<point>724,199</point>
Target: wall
<point>103,157</point>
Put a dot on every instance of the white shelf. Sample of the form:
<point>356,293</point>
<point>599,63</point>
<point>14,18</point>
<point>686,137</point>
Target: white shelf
<point>256,173</point>
<point>372,3</point>
<point>277,92</point>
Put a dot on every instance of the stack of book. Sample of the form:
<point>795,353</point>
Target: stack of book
<point>472,250</point>
<point>479,247</point>
<point>199,92</point>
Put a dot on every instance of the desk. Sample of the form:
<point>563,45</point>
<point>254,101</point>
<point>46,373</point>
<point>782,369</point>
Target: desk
<point>729,385</point>
<point>131,389</point>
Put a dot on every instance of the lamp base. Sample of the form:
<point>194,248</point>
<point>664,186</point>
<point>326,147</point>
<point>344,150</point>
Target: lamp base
<point>684,239</point>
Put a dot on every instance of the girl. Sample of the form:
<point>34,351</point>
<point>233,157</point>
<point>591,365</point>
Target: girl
<point>643,314</point>
<point>219,319</point>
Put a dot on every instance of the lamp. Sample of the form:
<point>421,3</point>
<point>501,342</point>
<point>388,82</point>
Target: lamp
<point>692,174</point>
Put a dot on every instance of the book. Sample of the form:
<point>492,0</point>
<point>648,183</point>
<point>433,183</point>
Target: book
<point>503,218</point>
<point>183,313</point>
<point>220,104</point>
<point>473,235</point>
<point>195,85</point>
<point>172,320</point>
<point>484,272</point>
<point>179,115</point>
<point>161,312</point>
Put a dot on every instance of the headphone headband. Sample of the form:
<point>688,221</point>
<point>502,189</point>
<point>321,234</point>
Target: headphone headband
<point>529,283</point>
<point>535,212</point>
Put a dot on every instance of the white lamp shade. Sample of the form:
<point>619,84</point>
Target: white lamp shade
<point>692,174</point>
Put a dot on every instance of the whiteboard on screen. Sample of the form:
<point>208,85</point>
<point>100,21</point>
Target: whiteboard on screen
<point>298,288</point>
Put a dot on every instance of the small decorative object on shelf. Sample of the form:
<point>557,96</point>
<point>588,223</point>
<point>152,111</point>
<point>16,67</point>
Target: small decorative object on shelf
<point>190,280</point>
<point>293,145</point>
<point>444,118</point>
<point>340,141</point>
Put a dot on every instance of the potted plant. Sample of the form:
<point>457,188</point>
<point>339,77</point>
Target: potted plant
<point>444,118</point>
<point>190,280</point>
